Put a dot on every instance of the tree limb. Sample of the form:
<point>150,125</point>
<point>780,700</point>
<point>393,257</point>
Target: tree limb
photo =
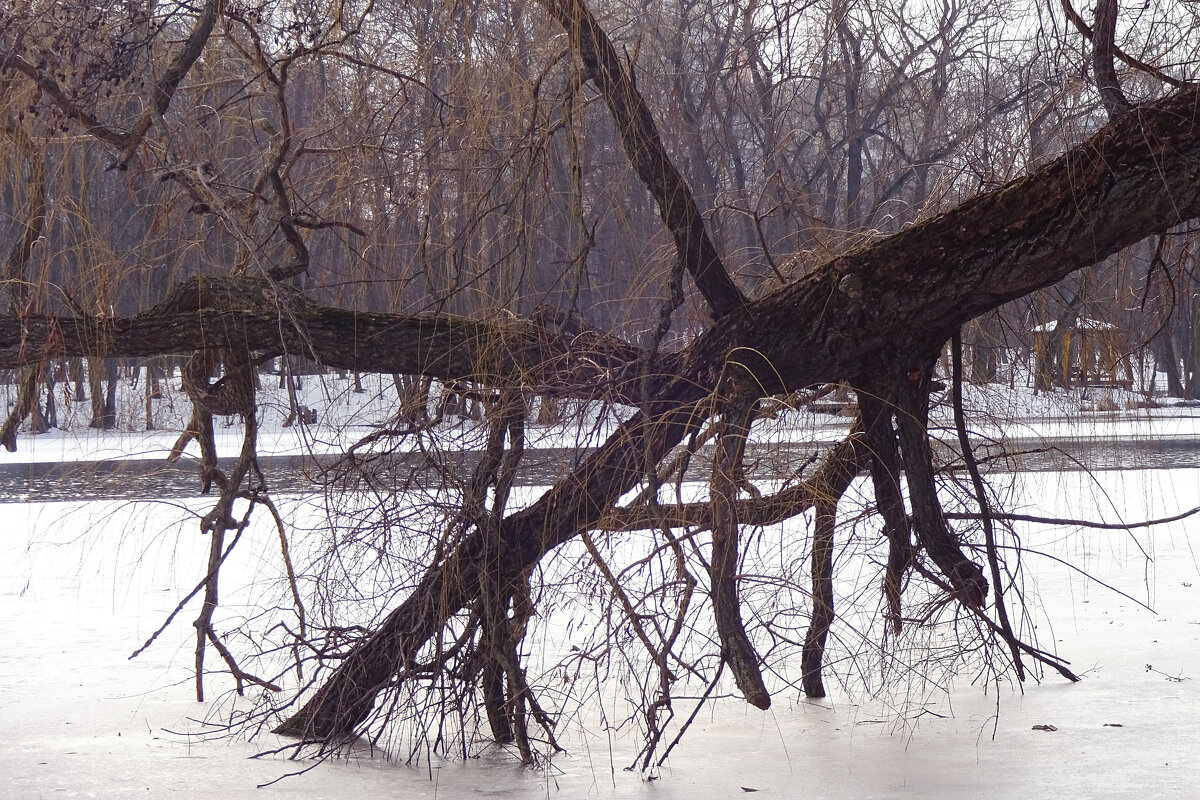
<point>248,314</point>
<point>848,458</point>
<point>648,154</point>
<point>859,314</point>
<point>1103,46</point>
<point>160,94</point>
<point>1085,29</point>
<point>736,648</point>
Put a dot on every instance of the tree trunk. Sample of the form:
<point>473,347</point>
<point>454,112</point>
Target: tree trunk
<point>1166,361</point>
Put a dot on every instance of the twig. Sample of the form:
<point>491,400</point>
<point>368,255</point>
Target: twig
<point>182,603</point>
<point>985,513</point>
<point>1081,523</point>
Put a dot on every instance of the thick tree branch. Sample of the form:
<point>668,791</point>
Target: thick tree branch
<point>859,315</point>
<point>160,94</point>
<point>648,154</point>
<point>845,460</point>
<point>164,88</point>
<point>1078,523</point>
<point>934,535</point>
<point>831,483</point>
<point>248,314</point>
<point>70,109</point>
<point>871,313</point>
<point>569,507</point>
<point>876,419</point>
<point>1103,46</point>
<point>736,648</point>
<point>1085,29</point>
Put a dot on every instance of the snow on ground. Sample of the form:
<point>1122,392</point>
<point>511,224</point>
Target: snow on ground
<point>995,411</point>
<point>82,585</point>
<point>344,417</point>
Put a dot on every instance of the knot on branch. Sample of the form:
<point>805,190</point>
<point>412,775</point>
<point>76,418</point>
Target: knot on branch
<point>969,584</point>
<point>229,293</point>
<point>232,394</point>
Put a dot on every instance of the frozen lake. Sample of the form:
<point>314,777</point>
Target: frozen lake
<point>132,478</point>
<point>83,584</point>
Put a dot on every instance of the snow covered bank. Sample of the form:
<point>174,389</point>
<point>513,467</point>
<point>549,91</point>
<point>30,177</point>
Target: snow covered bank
<point>344,416</point>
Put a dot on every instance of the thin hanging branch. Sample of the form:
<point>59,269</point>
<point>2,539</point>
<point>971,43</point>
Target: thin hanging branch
<point>13,274</point>
<point>989,534</point>
<point>1079,523</point>
<point>1050,660</point>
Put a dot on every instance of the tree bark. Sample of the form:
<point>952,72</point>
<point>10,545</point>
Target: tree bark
<point>736,648</point>
<point>829,485</point>
<point>1103,46</point>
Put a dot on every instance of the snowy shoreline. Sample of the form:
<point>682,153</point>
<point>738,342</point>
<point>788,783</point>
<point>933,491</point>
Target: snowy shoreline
<point>994,412</point>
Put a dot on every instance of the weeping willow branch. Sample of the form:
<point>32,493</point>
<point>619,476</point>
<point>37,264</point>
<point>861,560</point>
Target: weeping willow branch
<point>989,534</point>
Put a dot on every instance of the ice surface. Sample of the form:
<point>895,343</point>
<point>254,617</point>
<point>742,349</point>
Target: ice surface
<point>82,585</point>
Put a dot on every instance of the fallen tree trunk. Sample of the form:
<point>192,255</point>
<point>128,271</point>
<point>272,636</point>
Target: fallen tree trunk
<point>872,317</point>
<point>524,537</point>
<point>876,313</point>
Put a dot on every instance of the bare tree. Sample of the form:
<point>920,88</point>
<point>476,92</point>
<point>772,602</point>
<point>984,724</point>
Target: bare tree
<point>467,194</point>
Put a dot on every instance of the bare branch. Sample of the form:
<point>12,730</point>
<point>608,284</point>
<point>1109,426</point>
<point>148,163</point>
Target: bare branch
<point>645,150</point>
<point>1085,29</point>
<point>1103,47</point>
<point>1080,523</point>
<point>736,648</point>
<point>160,94</point>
